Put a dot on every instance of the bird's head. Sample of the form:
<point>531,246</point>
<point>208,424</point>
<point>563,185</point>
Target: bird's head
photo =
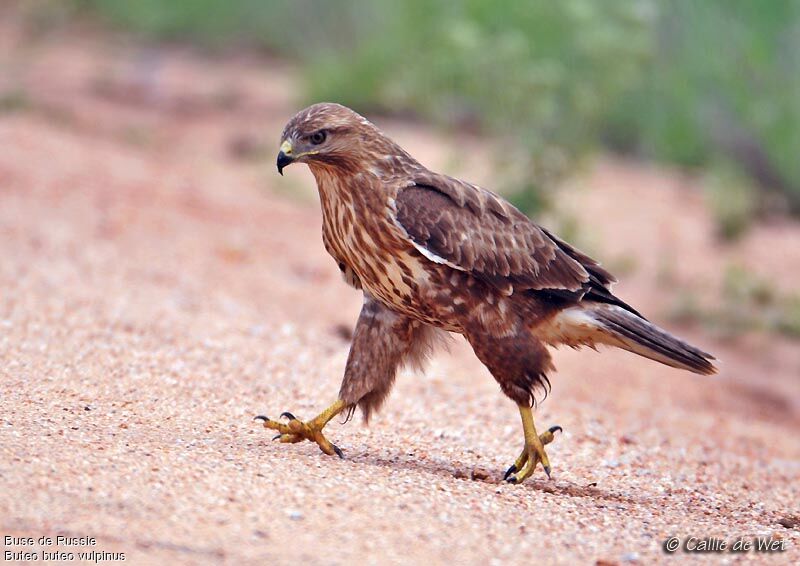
<point>327,134</point>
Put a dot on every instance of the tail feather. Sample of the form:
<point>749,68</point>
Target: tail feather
<point>599,323</point>
<point>646,339</point>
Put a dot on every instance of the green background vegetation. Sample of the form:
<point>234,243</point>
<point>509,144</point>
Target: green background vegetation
<point>712,83</point>
<point>709,85</point>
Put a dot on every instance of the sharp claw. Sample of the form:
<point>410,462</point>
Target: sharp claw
<point>547,471</point>
<point>288,415</point>
<point>338,451</point>
<point>261,418</point>
<point>511,479</point>
<point>555,428</point>
<point>276,437</point>
<point>510,471</point>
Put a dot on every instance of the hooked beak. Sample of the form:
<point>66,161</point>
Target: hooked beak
<point>284,156</point>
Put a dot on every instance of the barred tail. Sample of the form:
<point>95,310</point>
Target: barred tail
<point>599,323</point>
<point>641,337</point>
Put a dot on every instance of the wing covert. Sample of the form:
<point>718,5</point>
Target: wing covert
<point>474,230</point>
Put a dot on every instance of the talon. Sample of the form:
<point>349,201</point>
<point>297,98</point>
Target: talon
<point>533,452</point>
<point>261,418</point>
<point>295,430</point>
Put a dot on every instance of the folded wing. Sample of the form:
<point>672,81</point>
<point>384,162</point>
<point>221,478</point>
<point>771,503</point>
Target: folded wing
<point>474,230</point>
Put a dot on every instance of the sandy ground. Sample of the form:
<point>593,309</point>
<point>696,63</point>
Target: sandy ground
<point>160,285</point>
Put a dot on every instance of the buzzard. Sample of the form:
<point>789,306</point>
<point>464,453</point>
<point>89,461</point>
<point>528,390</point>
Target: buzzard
<point>433,253</point>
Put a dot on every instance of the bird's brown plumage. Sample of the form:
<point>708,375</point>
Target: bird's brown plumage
<point>433,252</point>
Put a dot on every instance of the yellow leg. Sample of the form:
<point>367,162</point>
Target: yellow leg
<point>296,430</point>
<point>533,450</point>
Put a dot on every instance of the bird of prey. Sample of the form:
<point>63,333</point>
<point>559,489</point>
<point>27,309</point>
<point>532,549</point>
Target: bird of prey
<point>433,253</point>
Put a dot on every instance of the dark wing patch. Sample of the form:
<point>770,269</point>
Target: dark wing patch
<point>475,230</point>
<point>597,274</point>
<point>600,281</point>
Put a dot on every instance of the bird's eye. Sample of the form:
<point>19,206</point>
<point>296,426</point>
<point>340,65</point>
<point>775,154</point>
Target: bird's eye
<point>318,137</point>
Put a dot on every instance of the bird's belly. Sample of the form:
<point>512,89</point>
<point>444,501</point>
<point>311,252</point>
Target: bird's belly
<point>388,268</point>
<point>404,282</point>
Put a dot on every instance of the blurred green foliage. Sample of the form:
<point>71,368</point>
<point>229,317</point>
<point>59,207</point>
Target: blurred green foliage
<point>732,199</point>
<point>747,303</point>
<point>723,85</point>
<point>683,81</point>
